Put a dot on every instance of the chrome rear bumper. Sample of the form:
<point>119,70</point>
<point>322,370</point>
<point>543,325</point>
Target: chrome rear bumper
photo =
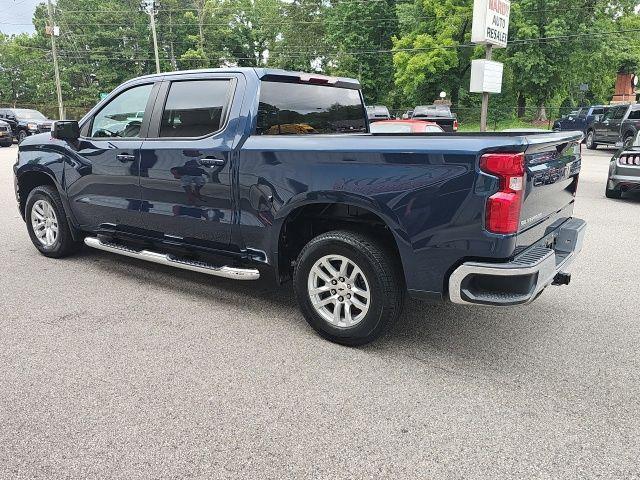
<point>523,279</point>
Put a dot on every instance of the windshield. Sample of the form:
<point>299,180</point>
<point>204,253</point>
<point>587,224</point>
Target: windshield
<point>25,114</point>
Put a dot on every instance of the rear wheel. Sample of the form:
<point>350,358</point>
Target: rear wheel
<point>349,287</point>
<point>613,193</point>
<point>47,223</point>
<point>591,140</point>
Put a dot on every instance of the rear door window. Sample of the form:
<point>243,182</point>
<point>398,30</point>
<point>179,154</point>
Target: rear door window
<point>634,115</point>
<point>195,108</point>
<point>302,109</point>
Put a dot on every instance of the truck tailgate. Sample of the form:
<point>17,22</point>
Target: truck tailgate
<point>553,165</point>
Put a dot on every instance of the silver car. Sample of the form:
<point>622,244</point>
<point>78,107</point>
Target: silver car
<point>624,171</point>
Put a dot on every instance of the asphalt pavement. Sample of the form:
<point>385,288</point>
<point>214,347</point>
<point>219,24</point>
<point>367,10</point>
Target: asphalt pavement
<point>116,368</point>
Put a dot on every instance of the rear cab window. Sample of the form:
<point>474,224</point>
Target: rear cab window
<point>306,109</point>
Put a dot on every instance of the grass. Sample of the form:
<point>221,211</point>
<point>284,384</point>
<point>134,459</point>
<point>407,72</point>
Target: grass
<point>494,126</point>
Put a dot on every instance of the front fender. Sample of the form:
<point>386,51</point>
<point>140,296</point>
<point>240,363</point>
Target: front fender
<point>49,160</point>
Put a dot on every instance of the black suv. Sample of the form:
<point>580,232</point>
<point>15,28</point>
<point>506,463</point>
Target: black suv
<point>6,137</point>
<point>25,122</point>
<point>618,126</point>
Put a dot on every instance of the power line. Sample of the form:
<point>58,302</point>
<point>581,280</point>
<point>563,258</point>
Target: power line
<point>512,43</point>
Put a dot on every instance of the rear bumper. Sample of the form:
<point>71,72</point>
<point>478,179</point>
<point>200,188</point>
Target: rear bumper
<point>624,182</point>
<point>522,280</point>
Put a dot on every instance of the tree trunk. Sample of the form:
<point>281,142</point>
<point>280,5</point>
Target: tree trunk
<point>522,105</point>
<point>542,113</point>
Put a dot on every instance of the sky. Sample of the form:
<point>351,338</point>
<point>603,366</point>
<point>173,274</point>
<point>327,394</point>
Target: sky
<point>17,12</point>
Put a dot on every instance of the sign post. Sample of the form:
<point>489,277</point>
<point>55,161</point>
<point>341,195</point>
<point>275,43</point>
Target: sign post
<point>490,28</point>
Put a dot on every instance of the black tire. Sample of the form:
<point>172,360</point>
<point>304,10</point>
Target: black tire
<point>615,194</point>
<point>590,140</point>
<point>8,144</point>
<point>383,275</point>
<point>21,136</point>
<point>64,244</point>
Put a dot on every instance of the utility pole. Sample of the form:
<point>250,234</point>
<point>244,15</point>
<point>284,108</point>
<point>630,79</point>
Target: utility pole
<point>55,60</point>
<point>150,8</point>
<point>484,113</point>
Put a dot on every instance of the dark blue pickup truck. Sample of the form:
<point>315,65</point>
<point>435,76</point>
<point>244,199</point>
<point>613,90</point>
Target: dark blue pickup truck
<point>249,173</point>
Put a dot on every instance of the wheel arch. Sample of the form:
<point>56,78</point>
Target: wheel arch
<point>37,176</point>
<point>299,223</point>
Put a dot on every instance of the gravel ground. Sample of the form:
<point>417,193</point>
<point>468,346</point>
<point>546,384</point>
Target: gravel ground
<point>115,368</point>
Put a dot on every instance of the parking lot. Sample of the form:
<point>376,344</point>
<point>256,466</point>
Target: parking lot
<point>115,368</point>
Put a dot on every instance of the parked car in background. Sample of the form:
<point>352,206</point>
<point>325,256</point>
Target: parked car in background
<point>377,113</point>
<point>624,170</point>
<point>6,136</point>
<point>580,119</point>
<point>619,125</point>
<point>225,178</point>
<point>405,126</point>
<point>440,114</point>
<point>25,122</point>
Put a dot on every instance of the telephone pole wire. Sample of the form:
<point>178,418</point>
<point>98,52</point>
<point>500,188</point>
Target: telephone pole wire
<point>54,52</point>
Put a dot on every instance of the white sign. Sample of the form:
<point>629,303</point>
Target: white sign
<point>491,22</point>
<point>486,76</point>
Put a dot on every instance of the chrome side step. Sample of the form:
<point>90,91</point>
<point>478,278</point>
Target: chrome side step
<point>164,259</point>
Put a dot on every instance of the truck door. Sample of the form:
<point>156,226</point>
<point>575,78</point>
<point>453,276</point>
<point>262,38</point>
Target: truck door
<point>185,171</point>
<point>613,128</point>
<point>103,187</point>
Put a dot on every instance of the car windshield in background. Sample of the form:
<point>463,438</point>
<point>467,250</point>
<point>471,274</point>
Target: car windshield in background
<point>432,111</point>
<point>300,109</point>
<point>25,114</point>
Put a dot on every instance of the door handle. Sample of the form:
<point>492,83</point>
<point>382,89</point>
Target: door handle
<point>124,158</point>
<point>212,162</point>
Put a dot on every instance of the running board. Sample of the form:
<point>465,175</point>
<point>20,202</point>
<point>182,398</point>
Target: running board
<point>164,259</point>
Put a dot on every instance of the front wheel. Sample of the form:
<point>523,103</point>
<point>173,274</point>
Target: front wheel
<point>591,140</point>
<point>47,223</point>
<point>349,287</point>
<point>21,136</point>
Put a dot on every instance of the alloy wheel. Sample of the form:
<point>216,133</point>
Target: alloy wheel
<point>339,291</point>
<point>44,222</point>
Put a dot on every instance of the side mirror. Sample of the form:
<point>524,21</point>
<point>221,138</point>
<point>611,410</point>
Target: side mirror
<point>65,130</point>
<point>630,141</point>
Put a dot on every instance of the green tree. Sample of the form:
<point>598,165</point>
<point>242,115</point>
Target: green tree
<point>360,34</point>
<point>429,52</point>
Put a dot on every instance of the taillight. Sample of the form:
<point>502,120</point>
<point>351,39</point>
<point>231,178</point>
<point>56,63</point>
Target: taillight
<point>502,213</point>
<point>629,159</point>
<point>455,125</point>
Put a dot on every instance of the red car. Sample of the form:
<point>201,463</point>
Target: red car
<point>405,126</point>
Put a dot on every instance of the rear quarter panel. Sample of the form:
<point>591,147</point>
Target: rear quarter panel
<point>427,189</point>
